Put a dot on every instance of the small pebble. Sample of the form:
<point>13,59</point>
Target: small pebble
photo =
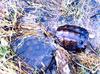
<point>91,36</point>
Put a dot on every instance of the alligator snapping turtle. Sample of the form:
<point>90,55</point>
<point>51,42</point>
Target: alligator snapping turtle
<point>72,38</point>
<point>36,52</point>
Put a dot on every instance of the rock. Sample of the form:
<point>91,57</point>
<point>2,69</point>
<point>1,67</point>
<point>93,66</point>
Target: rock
<point>37,53</point>
<point>72,37</point>
<point>62,60</point>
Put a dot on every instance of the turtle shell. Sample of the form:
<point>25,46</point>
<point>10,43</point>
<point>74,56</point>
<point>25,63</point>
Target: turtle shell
<point>72,38</point>
<point>36,52</point>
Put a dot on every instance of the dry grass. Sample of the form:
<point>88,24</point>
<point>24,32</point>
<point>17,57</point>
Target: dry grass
<point>63,8</point>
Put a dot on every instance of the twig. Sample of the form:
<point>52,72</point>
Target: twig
<point>92,48</point>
